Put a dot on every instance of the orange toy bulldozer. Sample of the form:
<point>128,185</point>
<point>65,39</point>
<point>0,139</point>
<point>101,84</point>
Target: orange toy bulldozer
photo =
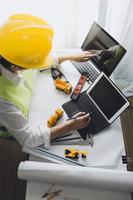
<point>54,118</point>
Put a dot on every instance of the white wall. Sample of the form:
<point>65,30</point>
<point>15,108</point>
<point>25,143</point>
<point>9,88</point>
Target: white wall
<point>71,19</point>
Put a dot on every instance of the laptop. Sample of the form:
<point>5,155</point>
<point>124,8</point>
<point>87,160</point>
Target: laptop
<point>103,100</point>
<point>108,53</point>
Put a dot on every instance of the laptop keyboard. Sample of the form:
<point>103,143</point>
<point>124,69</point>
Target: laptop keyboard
<point>88,68</point>
<point>84,103</point>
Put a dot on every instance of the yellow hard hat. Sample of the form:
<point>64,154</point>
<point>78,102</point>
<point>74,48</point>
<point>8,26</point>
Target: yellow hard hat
<point>26,41</point>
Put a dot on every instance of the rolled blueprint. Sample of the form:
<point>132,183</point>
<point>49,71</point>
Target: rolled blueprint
<point>88,177</point>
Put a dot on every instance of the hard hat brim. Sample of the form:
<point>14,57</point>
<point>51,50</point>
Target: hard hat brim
<point>47,63</point>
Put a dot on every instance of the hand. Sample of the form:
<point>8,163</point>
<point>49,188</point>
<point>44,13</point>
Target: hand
<point>84,56</point>
<point>80,57</point>
<point>81,120</point>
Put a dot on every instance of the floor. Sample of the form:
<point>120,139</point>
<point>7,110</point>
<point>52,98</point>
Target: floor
<point>127,127</point>
<point>11,188</point>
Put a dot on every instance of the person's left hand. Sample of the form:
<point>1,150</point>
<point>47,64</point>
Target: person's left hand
<point>84,56</point>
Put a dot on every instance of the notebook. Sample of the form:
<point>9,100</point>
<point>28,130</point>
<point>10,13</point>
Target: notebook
<point>108,53</point>
<point>103,100</point>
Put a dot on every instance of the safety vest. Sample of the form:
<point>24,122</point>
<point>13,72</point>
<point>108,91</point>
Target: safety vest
<point>19,95</point>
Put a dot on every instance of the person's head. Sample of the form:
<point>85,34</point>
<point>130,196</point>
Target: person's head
<point>25,42</point>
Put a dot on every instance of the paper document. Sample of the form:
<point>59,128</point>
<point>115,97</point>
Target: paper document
<point>76,176</point>
<point>36,191</point>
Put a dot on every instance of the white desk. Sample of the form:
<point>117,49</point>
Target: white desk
<point>108,144</point>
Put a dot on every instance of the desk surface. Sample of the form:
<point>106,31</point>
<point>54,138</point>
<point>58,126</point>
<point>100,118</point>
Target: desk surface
<point>108,144</point>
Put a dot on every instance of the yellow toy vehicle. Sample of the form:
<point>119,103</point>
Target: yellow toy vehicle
<point>54,118</point>
<point>63,85</point>
<point>73,153</point>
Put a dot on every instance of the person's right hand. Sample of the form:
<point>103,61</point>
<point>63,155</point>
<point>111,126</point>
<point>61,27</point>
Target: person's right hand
<point>81,120</point>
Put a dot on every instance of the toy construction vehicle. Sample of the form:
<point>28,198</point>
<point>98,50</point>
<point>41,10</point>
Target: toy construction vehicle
<point>55,117</point>
<point>73,153</point>
<point>63,85</point>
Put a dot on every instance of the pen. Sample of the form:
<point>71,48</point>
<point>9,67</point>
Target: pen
<point>71,118</point>
<point>77,117</point>
<point>46,193</point>
<point>67,139</point>
<point>62,136</point>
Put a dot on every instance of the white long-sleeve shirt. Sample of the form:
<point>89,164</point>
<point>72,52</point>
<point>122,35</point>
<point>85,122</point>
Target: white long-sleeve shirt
<point>18,125</point>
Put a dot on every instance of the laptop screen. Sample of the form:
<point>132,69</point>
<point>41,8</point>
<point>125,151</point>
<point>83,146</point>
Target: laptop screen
<point>107,97</point>
<point>108,51</point>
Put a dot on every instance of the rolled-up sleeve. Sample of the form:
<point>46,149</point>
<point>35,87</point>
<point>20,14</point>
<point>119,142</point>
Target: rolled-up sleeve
<point>18,126</point>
